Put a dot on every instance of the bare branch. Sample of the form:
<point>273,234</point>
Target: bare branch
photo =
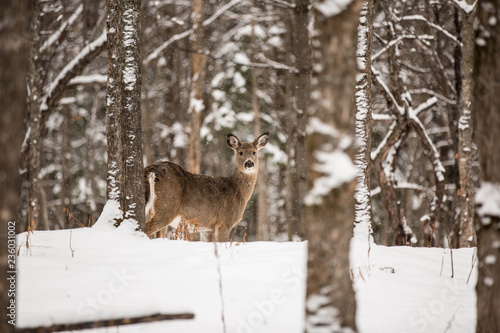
<point>155,54</point>
<point>56,36</point>
<point>433,25</point>
<point>56,88</point>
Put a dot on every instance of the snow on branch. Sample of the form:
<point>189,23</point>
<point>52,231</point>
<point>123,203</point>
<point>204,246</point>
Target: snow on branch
<point>433,25</point>
<point>280,3</point>
<point>55,89</point>
<point>462,4</point>
<point>434,154</point>
<point>433,93</point>
<point>425,105</point>
<point>384,142</point>
<point>387,91</point>
<point>397,40</point>
<point>218,13</point>
<point>405,186</point>
<point>156,53</point>
<point>56,36</point>
<point>88,79</point>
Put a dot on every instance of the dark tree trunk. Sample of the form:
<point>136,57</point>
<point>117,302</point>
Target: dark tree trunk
<point>301,96</point>
<point>465,132</point>
<point>13,57</point>
<point>330,212</point>
<point>486,113</point>
<point>123,110</point>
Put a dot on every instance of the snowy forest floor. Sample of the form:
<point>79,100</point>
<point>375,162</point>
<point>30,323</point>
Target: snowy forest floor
<point>99,273</point>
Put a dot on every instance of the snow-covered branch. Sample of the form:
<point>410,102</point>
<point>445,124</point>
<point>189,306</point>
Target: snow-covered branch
<point>386,90</point>
<point>56,88</point>
<point>88,79</point>
<point>462,4</point>
<point>425,105</point>
<point>433,25</point>
<point>56,36</point>
<point>397,40</point>
<point>433,93</point>
<point>156,53</point>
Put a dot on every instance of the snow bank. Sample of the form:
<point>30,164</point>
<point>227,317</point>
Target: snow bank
<point>101,273</point>
<point>119,273</point>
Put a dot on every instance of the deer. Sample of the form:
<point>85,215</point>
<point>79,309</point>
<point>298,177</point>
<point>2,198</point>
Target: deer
<point>216,204</point>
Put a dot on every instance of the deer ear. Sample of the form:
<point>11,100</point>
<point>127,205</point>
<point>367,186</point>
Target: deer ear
<point>261,141</point>
<point>233,142</point>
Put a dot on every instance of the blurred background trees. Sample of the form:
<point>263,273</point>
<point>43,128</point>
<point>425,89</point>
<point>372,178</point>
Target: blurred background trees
<point>244,66</point>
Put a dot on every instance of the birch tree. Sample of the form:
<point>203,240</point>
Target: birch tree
<point>486,113</point>
<point>332,174</point>
<point>363,229</point>
<point>125,183</point>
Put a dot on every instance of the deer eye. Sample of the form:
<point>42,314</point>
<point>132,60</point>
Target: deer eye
<point>241,153</point>
<point>254,153</point>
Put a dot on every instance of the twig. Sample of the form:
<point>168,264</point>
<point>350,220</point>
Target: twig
<point>104,323</point>
<point>220,287</point>
<point>72,251</point>
<point>474,259</point>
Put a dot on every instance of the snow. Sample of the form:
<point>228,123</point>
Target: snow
<point>118,273</point>
<point>337,168</point>
<point>488,200</point>
<point>115,273</point>
<point>465,6</point>
<point>57,34</point>
<point>330,8</point>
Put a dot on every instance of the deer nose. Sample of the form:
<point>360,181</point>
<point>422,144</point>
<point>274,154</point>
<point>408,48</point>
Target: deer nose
<point>249,164</point>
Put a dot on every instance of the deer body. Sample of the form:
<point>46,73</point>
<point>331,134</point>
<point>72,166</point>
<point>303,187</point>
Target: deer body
<point>217,203</point>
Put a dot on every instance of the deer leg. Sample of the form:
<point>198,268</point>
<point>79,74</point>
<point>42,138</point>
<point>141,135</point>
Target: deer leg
<point>207,236</point>
<point>222,234</point>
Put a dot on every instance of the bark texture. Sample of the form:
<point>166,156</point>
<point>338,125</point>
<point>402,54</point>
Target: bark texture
<point>330,217</point>
<point>198,72</point>
<point>123,110</point>
<point>465,131</point>
<point>13,57</point>
<point>486,112</point>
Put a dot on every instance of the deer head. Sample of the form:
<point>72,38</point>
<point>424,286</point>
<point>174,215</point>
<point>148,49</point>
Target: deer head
<point>246,158</point>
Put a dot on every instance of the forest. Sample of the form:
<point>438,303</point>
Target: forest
<point>383,117</point>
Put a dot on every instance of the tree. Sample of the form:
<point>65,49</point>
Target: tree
<point>13,56</point>
<point>125,183</point>
<point>332,174</point>
<point>364,124</point>
<point>198,73</point>
<point>465,129</point>
<point>486,113</point>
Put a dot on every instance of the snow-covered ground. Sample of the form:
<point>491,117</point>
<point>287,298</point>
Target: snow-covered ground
<point>102,273</point>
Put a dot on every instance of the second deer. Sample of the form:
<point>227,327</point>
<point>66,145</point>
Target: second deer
<point>217,203</point>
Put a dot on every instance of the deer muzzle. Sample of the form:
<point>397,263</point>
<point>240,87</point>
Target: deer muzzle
<point>249,164</point>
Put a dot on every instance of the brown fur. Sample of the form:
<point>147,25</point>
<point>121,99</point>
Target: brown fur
<point>217,203</point>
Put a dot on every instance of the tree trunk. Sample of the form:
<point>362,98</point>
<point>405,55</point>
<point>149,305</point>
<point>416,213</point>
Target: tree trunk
<point>196,106</point>
<point>465,132</point>
<point>261,189</point>
<point>13,57</point>
<point>362,226</point>
<point>486,113</point>
<point>123,110</point>
<point>330,210</point>
<point>301,97</point>
<point>35,96</point>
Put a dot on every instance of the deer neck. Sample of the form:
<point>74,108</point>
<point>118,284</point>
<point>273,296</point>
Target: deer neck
<point>245,182</point>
